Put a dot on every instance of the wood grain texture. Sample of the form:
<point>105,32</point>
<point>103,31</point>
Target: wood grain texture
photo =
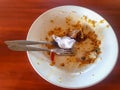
<point>16,17</point>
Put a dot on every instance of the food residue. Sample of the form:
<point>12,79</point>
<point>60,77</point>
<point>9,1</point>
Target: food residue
<point>52,21</point>
<point>59,79</point>
<point>107,26</point>
<point>52,55</point>
<point>38,63</point>
<point>102,21</point>
<point>62,64</point>
<point>87,44</point>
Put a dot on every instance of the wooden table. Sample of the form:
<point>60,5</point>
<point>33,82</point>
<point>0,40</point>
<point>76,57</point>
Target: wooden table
<point>16,17</point>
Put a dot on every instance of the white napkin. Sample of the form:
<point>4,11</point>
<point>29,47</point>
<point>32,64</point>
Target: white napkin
<point>64,42</point>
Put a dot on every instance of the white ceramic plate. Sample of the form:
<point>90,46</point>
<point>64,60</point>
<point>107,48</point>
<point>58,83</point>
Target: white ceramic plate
<point>100,69</point>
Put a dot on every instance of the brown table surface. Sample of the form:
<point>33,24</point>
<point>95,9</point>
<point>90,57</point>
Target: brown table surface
<point>16,17</point>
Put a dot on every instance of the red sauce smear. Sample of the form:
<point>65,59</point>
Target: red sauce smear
<point>52,55</point>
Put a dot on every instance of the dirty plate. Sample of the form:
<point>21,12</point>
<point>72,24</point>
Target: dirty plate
<point>87,77</point>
